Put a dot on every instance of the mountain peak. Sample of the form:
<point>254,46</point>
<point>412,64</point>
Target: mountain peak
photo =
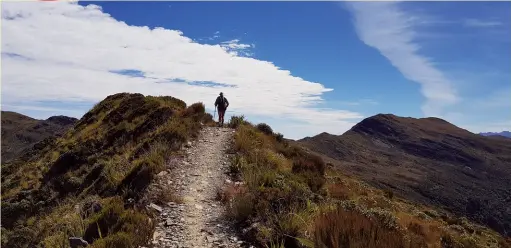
<point>380,124</point>
<point>426,159</point>
<point>389,125</point>
<point>62,120</point>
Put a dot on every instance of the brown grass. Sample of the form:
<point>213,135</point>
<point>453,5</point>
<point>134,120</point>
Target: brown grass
<point>227,193</point>
<point>339,191</point>
<point>341,228</point>
<point>293,204</point>
<point>429,230</point>
<point>280,187</point>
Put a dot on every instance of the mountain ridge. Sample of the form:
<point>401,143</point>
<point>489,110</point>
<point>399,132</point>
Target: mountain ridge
<point>506,134</point>
<point>429,160</point>
<point>21,132</point>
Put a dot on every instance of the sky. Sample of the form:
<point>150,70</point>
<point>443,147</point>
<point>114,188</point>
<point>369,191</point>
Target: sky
<point>302,67</point>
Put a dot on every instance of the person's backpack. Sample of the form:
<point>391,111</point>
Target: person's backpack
<point>221,102</point>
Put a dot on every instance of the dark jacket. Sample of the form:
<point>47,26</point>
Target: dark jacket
<point>219,101</point>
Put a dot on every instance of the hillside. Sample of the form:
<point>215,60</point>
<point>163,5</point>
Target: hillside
<point>20,132</point>
<point>429,161</point>
<point>88,182</point>
<point>143,171</point>
<point>286,196</point>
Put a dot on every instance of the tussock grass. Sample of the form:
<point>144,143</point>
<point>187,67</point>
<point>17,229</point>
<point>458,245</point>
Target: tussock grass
<point>341,228</point>
<point>265,128</point>
<point>236,121</point>
<point>288,201</point>
<point>276,197</point>
<point>111,154</point>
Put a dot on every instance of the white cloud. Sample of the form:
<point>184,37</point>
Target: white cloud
<point>234,47</point>
<point>215,36</point>
<point>480,23</point>
<point>61,51</point>
<point>384,26</point>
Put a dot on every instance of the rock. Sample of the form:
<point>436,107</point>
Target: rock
<point>162,173</point>
<point>228,181</point>
<point>206,231</point>
<point>197,206</point>
<point>76,242</point>
<point>169,222</point>
<point>155,207</point>
<point>188,144</point>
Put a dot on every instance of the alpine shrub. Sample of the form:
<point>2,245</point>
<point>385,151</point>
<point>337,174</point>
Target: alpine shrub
<point>265,128</point>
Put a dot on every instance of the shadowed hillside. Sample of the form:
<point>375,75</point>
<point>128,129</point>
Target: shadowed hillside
<point>20,132</point>
<point>430,161</point>
<point>87,182</point>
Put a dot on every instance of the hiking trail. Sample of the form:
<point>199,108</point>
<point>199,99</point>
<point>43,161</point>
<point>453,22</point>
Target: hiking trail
<point>198,220</point>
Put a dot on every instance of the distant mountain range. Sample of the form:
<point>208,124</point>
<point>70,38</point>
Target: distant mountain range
<point>20,132</point>
<point>428,160</point>
<point>503,133</point>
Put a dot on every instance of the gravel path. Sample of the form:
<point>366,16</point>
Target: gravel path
<point>197,222</point>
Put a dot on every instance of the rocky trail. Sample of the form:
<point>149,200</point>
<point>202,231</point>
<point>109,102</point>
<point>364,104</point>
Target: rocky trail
<point>198,220</point>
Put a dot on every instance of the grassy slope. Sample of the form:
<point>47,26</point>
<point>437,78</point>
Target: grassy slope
<point>80,184</point>
<point>430,161</point>
<point>290,199</point>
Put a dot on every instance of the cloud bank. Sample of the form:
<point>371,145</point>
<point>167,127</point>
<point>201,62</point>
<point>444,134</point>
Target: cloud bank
<point>383,26</point>
<point>62,51</point>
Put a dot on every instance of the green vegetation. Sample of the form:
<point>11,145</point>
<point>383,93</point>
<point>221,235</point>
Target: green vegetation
<point>87,182</point>
<point>289,198</point>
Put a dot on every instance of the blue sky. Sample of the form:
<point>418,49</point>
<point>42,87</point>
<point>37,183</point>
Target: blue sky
<point>302,67</point>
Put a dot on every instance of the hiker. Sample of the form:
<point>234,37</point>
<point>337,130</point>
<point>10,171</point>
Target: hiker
<point>221,104</point>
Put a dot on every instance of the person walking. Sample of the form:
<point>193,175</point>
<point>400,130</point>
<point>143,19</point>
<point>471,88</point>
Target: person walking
<point>221,105</point>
